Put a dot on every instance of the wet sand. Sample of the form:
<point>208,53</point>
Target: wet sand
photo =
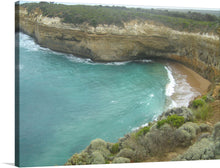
<point>189,84</point>
<point>194,79</point>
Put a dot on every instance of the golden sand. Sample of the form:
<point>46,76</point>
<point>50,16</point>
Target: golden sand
<point>194,79</point>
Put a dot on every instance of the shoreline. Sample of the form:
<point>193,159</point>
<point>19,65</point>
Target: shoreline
<point>188,84</point>
<point>195,80</point>
<point>197,83</point>
<point>191,83</point>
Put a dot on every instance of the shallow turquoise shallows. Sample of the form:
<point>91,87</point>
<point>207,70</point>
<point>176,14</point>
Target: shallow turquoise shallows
<point>66,102</point>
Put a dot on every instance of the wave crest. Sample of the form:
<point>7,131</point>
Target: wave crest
<point>171,85</point>
<point>89,61</point>
<point>26,42</point>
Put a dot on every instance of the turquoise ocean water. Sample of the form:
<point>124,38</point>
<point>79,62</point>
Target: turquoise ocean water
<point>65,101</point>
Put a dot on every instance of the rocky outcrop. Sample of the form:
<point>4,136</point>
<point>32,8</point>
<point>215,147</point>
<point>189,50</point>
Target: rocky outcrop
<point>184,111</point>
<point>136,40</point>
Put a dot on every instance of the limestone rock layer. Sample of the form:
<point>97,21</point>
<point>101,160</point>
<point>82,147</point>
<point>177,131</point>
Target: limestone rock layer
<point>136,40</point>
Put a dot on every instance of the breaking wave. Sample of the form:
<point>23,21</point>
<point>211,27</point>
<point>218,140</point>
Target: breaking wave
<point>171,85</point>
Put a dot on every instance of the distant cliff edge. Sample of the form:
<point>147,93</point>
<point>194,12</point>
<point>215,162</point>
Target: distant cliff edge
<point>136,39</point>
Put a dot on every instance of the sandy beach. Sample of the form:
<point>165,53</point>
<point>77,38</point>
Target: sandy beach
<point>189,84</point>
<point>194,79</point>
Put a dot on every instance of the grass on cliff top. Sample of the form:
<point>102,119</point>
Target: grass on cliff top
<point>94,15</point>
<point>201,108</point>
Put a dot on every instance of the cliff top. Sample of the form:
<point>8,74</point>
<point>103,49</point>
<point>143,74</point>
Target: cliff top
<point>119,16</point>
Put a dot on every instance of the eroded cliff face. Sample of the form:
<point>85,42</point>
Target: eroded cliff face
<point>136,40</point>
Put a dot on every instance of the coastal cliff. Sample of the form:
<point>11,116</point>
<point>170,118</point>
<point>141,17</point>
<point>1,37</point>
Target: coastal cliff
<point>179,134</point>
<point>135,40</point>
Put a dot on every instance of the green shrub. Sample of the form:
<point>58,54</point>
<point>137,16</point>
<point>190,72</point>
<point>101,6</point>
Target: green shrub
<point>204,97</point>
<point>203,112</point>
<point>142,131</point>
<point>115,148</point>
<point>208,98</point>
<point>161,122</point>
<point>198,102</point>
<point>173,120</point>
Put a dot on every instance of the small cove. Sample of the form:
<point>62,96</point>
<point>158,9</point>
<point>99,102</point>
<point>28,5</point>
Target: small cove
<point>65,101</point>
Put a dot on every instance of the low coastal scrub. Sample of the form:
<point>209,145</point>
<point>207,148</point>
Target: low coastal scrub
<point>208,98</point>
<point>174,130</point>
<point>203,112</point>
<point>201,109</point>
<point>173,120</point>
<point>155,141</point>
<point>161,122</point>
<point>95,15</point>
<point>142,131</point>
<point>198,103</point>
<point>115,148</point>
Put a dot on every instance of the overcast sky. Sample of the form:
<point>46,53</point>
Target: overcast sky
<point>162,3</point>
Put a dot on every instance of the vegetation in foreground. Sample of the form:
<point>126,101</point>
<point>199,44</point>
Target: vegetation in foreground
<point>188,130</point>
<point>201,108</point>
<point>94,15</point>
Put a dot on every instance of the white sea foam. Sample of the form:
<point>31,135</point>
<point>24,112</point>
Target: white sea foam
<point>117,63</point>
<point>151,95</point>
<point>89,61</point>
<point>171,105</point>
<point>155,117</point>
<point>184,92</point>
<point>180,89</point>
<point>114,101</point>
<point>170,89</point>
<point>27,42</point>
<point>78,59</point>
<point>145,60</point>
<point>136,128</point>
<point>171,85</point>
<point>146,124</point>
